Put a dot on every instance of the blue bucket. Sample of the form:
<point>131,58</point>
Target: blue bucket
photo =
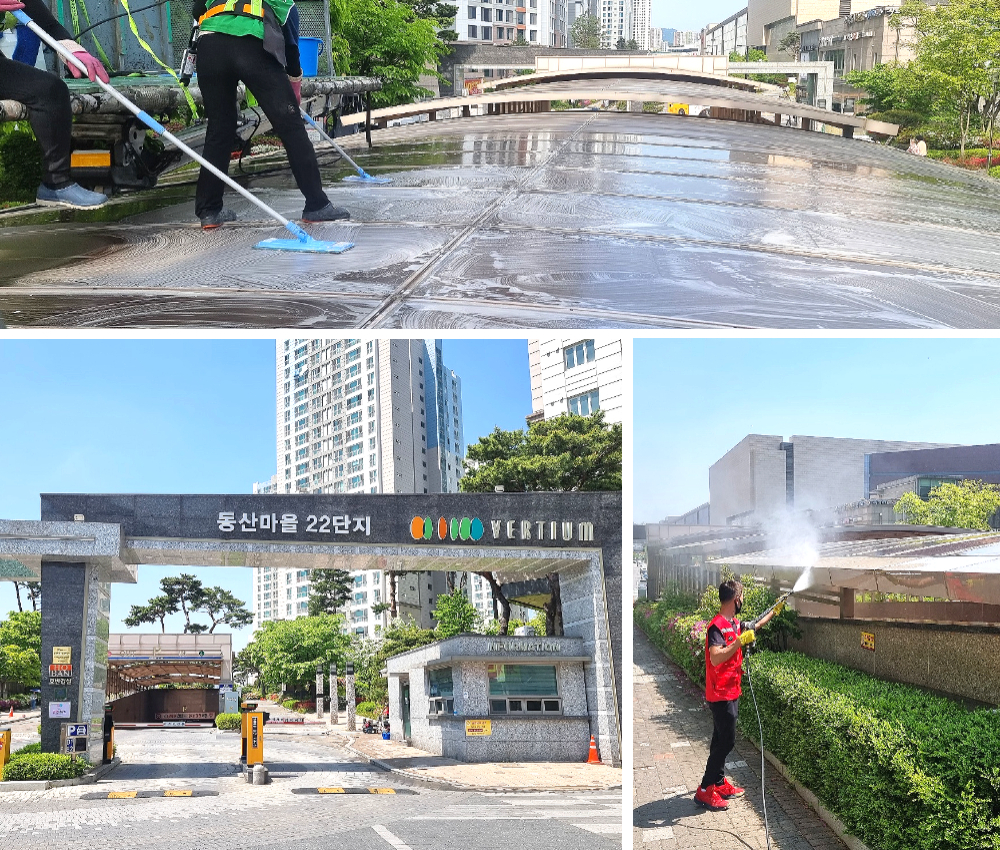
<point>309,49</point>
<point>385,736</point>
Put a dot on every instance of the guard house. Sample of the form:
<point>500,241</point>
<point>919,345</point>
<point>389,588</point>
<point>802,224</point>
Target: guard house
<point>485,698</point>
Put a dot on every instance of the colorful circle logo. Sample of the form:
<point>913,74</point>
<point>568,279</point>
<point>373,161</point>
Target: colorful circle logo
<point>466,528</point>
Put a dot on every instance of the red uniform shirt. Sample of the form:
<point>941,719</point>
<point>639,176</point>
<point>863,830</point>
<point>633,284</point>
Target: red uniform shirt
<point>722,682</point>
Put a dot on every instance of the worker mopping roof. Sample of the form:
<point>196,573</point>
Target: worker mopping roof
<point>302,241</point>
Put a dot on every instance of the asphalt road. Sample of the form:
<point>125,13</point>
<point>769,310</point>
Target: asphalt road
<point>223,810</point>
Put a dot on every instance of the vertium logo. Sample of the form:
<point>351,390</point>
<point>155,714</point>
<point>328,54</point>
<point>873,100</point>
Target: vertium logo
<point>466,528</point>
<point>423,528</point>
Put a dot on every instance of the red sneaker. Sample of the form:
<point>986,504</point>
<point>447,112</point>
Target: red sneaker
<point>726,789</point>
<point>710,799</point>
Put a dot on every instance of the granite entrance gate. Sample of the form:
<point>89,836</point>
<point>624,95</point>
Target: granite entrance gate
<point>84,543</point>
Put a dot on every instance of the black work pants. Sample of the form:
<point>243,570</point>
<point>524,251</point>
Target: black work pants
<point>49,113</point>
<point>724,715</point>
<point>224,60</point>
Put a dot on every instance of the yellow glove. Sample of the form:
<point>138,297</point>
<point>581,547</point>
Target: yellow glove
<point>747,637</point>
<point>779,607</point>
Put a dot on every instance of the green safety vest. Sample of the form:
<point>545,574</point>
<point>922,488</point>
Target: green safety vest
<point>243,17</point>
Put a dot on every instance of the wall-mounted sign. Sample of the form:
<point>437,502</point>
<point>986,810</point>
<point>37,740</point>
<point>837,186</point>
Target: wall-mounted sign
<point>59,709</point>
<point>466,528</point>
<point>524,646</point>
<point>868,640</point>
<point>478,728</point>
<point>62,655</point>
<point>289,523</point>
<point>60,675</point>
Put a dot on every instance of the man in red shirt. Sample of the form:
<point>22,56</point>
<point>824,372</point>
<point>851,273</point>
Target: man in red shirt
<point>723,662</point>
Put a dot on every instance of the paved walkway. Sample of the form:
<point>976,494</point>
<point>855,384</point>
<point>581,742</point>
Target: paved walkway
<point>672,732</point>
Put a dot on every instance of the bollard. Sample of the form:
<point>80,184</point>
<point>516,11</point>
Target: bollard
<point>260,775</point>
<point>319,692</point>
<point>349,688</point>
<point>4,748</point>
<point>334,717</point>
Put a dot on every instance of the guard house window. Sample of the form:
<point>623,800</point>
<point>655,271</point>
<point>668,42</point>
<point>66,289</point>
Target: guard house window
<point>517,689</point>
<point>441,691</point>
<point>584,405</point>
<point>577,355</point>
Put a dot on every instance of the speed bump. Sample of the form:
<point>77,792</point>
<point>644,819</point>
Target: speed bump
<point>353,791</point>
<point>145,795</point>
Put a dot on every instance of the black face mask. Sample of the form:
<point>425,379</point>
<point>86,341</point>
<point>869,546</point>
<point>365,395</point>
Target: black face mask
<point>739,605</point>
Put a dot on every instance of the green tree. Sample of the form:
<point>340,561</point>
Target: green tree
<point>632,44</point>
<point>287,652</point>
<point>221,606</point>
<point>455,614</point>
<point>968,504</point>
<point>20,651</point>
<point>328,591</point>
<point>565,453</point>
<point>791,45</point>
<point>369,656</point>
<point>620,44</point>
<point>386,39</point>
<point>586,32</point>
<point>157,609</point>
<point>187,592</point>
<point>442,15</point>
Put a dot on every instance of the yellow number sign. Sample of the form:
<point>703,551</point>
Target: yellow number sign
<point>478,728</point>
<point>868,640</point>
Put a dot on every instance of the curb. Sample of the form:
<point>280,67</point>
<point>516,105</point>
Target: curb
<point>47,784</point>
<point>487,789</point>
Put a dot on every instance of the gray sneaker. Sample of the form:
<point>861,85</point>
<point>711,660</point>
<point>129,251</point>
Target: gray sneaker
<point>73,196</point>
<point>327,213</point>
<point>217,219</point>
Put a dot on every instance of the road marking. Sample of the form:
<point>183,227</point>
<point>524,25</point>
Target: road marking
<point>658,834</point>
<point>600,828</point>
<point>330,790</point>
<point>389,837</point>
<point>681,744</point>
<point>117,795</point>
<point>350,790</point>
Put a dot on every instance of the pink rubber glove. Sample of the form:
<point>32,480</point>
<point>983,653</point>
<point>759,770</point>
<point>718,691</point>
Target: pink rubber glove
<point>10,6</point>
<point>95,69</point>
<point>295,81</point>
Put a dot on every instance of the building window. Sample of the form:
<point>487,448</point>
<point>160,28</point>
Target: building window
<point>486,16</point>
<point>441,690</point>
<point>577,355</point>
<point>585,404</point>
<point>472,13</point>
<point>487,31</point>
<point>523,689</point>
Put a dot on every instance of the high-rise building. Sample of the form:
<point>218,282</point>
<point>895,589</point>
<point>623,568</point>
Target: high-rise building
<point>373,416</point>
<point>538,22</point>
<point>576,376</point>
<point>640,23</point>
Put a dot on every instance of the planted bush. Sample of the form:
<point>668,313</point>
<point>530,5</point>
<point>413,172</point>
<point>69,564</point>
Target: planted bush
<point>26,750</point>
<point>371,710</point>
<point>289,704</point>
<point>44,766</point>
<point>227,722</point>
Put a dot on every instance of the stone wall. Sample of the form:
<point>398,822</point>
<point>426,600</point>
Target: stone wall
<point>940,658</point>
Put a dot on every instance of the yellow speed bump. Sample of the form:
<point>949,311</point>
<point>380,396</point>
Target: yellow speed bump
<point>350,790</point>
<point>330,790</point>
<point>121,795</point>
<point>177,793</point>
<point>382,790</point>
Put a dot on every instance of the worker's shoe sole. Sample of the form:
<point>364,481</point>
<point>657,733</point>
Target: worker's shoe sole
<point>211,222</point>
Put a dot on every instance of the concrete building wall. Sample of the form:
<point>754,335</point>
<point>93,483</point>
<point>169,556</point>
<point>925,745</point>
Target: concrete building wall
<point>977,462</point>
<point>749,477</point>
<point>760,13</point>
<point>934,657</point>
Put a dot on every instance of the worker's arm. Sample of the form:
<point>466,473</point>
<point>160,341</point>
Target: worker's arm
<point>40,14</point>
<point>199,9</point>
<point>720,654</point>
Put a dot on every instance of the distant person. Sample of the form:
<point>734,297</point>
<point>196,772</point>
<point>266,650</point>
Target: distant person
<point>47,100</point>
<point>914,148</point>
<point>723,669</point>
<point>921,146</point>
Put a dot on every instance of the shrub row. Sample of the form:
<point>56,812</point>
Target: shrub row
<point>19,702</point>
<point>227,722</point>
<point>371,710</point>
<point>42,766</point>
<point>902,768</point>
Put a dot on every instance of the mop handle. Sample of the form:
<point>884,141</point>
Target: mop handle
<point>340,150</point>
<point>156,126</point>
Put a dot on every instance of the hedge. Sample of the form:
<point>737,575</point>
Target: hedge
<point>42,766</point>
<point>371,710</point>
<point>902,768</point>
<point>228,721</point>
<point>26,750</point>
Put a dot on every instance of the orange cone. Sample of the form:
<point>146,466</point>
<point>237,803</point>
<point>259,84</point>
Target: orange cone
<point>11,712</point>
<point>593,758</point>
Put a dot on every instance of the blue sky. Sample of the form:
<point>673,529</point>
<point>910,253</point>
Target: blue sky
<point>692,16</point>
<point>696,399</point>
<point>179,416</point>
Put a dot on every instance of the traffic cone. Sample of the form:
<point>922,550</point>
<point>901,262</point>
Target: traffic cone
<point>593,758</point>
<point>11,712</point>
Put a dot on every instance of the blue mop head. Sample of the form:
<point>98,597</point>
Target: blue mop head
<point>309,246</point>
<point>365,177</point>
